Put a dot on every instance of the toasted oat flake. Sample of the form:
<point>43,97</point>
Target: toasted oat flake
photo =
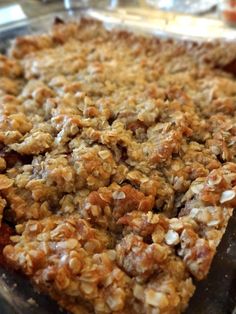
<point>172,237</point>
<point>104,154</point>
<point>75,265</point>
<point>227,196</point>
<point>118,195</point>
<point>197,188</point>
<point>70,244</point>
<point>157,299</point>
<point>195,211</point>
<point>116,300</point>
<point>31,301</point>
<point>5,182</point>
<point>138,292</point>
<point>215,180</point>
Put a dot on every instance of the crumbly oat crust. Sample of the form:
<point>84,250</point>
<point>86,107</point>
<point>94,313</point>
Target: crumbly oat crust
<point>117,165</point>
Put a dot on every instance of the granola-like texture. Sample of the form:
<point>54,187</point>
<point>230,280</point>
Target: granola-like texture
<point>117,165</point>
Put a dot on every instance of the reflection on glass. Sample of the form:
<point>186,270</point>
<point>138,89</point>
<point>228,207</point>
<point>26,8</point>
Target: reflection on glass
<point>11,13</point>
<point>185,6</point>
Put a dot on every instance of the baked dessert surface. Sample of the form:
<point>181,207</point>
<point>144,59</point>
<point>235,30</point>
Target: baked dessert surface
<point>117,165</point>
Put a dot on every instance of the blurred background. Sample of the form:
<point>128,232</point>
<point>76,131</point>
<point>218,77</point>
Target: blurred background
<point>202,19</point>
<point>11,9</point>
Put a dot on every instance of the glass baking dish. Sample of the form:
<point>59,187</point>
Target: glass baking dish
<point>144,20</point>
<point>216,294</point>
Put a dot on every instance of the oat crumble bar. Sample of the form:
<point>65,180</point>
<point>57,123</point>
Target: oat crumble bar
<point>117,165</point>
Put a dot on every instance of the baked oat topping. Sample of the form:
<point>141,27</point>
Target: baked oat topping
<point>117,165</point>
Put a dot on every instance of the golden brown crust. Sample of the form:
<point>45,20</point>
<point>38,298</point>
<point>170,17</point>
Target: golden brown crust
<point>72,261</point>
<point>118,165</point>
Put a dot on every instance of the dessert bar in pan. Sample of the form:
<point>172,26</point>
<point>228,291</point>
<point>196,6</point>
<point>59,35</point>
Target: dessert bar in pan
<point>117,165</point>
